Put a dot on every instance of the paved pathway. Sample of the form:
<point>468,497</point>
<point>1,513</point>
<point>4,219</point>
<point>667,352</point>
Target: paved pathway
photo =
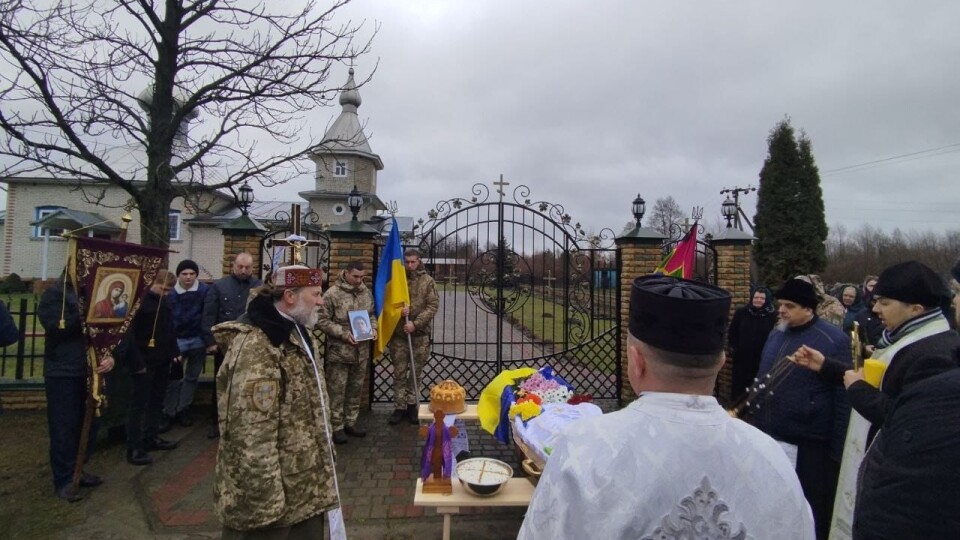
<point>172,499</point>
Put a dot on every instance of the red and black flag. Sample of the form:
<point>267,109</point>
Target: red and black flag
<point>679,263</point>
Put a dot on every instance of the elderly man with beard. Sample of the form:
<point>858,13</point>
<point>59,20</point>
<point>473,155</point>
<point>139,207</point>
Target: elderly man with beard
<point>275,475</point>
<point>806,414</point>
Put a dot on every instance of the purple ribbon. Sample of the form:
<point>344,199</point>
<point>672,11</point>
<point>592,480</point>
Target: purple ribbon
<point>447,450</point>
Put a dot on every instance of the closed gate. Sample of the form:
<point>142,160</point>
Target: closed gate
<point>519,285</point>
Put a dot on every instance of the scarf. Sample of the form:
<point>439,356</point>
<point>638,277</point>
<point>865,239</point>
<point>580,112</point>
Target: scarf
<point>890,337</point>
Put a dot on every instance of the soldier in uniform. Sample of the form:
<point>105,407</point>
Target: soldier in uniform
<point>346,360</point>
<point>275,474</point>
<point>424,303</point>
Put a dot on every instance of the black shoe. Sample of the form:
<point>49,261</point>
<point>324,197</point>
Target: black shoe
<point>214,432</point>
<point>184,418</point>
<point>166,422</point>
<point>90,480</point>
<point>355,431</point>
<point>69,493</point>
<point>413,411</point>
<point>397,416</point>
<point>138,457</point>
<point>156,443</point>
<point>339,437</point>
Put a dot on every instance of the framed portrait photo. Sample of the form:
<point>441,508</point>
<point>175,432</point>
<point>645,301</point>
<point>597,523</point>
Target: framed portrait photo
<point>360,325</point>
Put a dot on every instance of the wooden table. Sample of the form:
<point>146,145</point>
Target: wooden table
<point>517,492</point>
<point>424,414</point>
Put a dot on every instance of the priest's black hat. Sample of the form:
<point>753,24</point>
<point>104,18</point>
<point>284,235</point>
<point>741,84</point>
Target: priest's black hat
<point>912,282</point>
<point>679,315</point>
<point>800,292</point>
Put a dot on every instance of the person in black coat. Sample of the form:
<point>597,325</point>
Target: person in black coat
<point>65,383</point>
<point>749,329</point>
<point>155,343</point>
<point>910,481</point>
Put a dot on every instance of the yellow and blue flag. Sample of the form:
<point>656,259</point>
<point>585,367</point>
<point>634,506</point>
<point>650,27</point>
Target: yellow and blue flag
<point>390,293</point>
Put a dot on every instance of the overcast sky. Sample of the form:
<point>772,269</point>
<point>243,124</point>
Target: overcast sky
<point>589,104</point>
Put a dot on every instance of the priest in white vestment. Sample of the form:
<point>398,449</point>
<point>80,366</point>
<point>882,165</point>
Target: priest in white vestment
<point>672,464</point>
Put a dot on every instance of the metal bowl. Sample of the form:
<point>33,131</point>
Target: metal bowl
<point>483,477</point>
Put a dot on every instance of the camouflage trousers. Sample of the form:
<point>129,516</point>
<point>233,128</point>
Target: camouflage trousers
<point>403,391</point>
<point>346,390</point>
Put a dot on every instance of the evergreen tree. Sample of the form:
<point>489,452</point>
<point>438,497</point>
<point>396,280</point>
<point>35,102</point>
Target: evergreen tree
<point>790,224</point>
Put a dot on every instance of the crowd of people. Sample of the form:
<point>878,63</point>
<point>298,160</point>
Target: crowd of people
<point>826,455</point>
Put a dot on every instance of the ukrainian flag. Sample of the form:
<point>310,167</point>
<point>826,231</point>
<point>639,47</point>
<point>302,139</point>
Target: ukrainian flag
<point>390,293</point>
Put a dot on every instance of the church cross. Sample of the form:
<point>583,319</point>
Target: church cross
<point>501,184</point>
<point>550,279</point>
<point>296,241</point>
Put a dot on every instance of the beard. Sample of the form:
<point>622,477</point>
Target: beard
<point>304,313</point>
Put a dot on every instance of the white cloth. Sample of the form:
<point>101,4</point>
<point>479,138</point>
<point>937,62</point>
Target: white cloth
<point>855,445</point>
<point>540,433</point>
<point>664,464</point>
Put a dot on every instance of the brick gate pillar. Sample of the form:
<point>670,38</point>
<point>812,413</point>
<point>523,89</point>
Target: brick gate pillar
<point>354,241</point>
<point>638,253</point>
<point>734,252</point>
<point>241,234</point>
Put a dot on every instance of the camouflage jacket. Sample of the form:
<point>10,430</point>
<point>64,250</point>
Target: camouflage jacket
<point>424,303</point>
<point>828,308</point>
<point>338,301</point>
<point>274,464</point>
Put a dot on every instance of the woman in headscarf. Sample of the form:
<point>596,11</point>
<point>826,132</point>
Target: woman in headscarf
<point>852,303</point>
<point>748,333</point>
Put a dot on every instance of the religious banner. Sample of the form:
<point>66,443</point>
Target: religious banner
<point>110,278</point>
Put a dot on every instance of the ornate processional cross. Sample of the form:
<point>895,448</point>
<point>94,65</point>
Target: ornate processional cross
<point>296,241</point>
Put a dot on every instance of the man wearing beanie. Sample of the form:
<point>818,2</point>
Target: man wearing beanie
<point>916,344</point>
<point>186,302</point>
<point>807,414</point>
<point>672,464</point>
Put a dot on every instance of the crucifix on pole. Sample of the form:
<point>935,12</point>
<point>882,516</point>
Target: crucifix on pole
<point>295,241</point>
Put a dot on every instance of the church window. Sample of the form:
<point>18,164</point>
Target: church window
<point>339,209</point>
<point>340,168</point>
<point>41,212</point>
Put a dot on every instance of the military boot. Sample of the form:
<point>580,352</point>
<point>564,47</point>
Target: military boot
<point>397,416</point>
<point>413,411</point>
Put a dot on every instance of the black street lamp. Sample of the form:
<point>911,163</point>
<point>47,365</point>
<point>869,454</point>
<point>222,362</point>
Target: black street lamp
<point>355,202</point>
<point>639,208</point>
<point>729,211</point>
<point>246,197</point>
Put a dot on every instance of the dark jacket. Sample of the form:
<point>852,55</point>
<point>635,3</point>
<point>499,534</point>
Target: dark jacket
<point>187,309</point>
<point>226,300</point>
<point>748,334</point>
<point>871,327</point>
<point>64,353</point>
<point>155,321</point>
<point>8,329</point>
<point>804,407</point>
<point>915,362</point>
<point>910,478</point>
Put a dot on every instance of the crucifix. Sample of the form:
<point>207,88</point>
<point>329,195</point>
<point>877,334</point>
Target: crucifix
<point>296,241</point>
<point>500,185</point>
<point>549,280</point>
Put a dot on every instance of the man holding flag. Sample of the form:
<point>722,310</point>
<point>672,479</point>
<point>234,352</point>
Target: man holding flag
<point>406,301</point>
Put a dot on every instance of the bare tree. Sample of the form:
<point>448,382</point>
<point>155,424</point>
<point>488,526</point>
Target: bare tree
<point>86,80</point>
<point>666,212</point>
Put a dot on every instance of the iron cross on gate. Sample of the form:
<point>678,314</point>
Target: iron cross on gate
<point>500,185</point>
<point>296,241</point>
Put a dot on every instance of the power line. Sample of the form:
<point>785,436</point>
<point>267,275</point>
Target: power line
<point>920,154</point>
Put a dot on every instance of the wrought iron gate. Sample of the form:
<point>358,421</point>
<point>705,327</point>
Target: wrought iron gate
<point>705,256</point>
<point>519,285</point>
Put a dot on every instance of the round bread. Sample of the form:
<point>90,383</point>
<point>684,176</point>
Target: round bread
<point>449,397</point>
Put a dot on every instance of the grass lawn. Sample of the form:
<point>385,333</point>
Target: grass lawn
<point>548,320</point>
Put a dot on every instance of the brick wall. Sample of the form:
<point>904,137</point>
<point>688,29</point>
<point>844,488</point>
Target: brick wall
<point>638,257</point>
<point>235,242</point>
<point>733,274</point>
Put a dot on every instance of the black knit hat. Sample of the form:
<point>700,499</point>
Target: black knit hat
<point>799,292</point>
<point>912,282</point>
<point>187,264</point>
<point>679,315</point>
